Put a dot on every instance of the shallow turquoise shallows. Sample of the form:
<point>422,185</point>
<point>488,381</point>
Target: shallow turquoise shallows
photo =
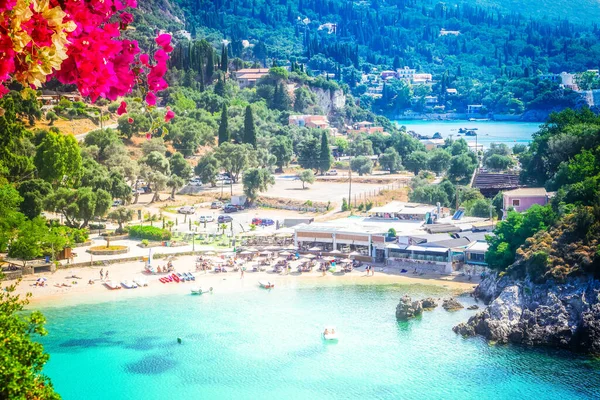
<point>488,132</point>
<point>261,344</point>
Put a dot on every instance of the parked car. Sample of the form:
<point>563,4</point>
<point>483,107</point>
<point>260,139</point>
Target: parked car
<point>195,182</point>
<point>222,219</point>
<point>230,209</point>
<point>227,181</point>
<point>262,221</point>
<point>205,218</point>
<point>186,210</point>
<point>216,205</point>
<point>331,172</point>
<point>117,203</point>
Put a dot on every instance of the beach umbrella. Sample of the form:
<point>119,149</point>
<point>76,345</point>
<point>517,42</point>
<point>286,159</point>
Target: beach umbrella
<point>309,256</point>
<point>290,247</point>
<point>272,248</point>
<point>329,259</point>
<point>42,279</point>
<point>335,252</point>
<point>346,260</point>
<point>252,250</point>
<point>354,254</point>
<point>210,253</point>
<point>285,253</point>
<point>245,253</point>
<point>316,248</point>
<point>265,253</point>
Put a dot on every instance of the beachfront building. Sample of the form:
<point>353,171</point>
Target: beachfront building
<point>398,210</point>
<point>475,253</point>
<point>523,198</point>
<point>327,237</point>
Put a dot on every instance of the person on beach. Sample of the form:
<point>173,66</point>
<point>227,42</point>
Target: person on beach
<point>242,274</point>
<point>102,274</point>
<point>372,271</point>
<point>106,276</point>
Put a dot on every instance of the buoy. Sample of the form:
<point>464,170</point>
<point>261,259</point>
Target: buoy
<point>179,340</point>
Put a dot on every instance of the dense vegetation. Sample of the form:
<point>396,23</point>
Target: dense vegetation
<point>562,238</point>
<point>495,60</point>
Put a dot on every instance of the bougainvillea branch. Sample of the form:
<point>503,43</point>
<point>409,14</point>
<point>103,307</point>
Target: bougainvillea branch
<point>78,42</point>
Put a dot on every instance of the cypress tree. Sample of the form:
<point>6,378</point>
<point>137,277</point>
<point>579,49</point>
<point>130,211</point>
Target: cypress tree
<point>325,156</point>
<point>249,128</point>
<point>224,59</point>
<point>210,65</point>
<point>223,131</point>
<point>281,98</point>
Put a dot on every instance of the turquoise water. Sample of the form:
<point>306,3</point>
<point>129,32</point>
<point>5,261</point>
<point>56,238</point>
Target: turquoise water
<point>510,133</point>
<point>263,344</point>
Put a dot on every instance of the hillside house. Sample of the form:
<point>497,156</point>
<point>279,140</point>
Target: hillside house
<point>523,198</point>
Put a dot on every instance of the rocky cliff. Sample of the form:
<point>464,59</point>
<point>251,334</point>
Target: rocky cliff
<point>329,100</point>
<point>565,315</point>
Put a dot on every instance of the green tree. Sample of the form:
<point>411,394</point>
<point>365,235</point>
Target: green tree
<point>303,99</point>
<point>23,357</point>
<point>306,176</point>
<point>180,167</point>
<point>79,206</point>
<point>459,147</point>
<point>281,98</point>
<point>155,168</point>
<point>478,208</point>
<point>234,158</point>
<point>362,165</point>
<point>390,160</point>
<point>281,147</point>
<point>58,159</point>
<point>51,117</point>
<point>121,216</point>
<point>416,161</point>
<point>249,128</point>
<point>499,162</point>
<point>133,124</point>
<point>256,180</point>
<point>308,152</point>
<point>224,59</point>
<point>207,169</point>
<point>223,129</point>
<point>461,167</point>
<point>439,161</point>
<point>175,183</point>
<point>325,154</point>
<point>10,217</point>
<point>33,192</point>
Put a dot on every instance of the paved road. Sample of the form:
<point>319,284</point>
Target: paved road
<point>82,136</point>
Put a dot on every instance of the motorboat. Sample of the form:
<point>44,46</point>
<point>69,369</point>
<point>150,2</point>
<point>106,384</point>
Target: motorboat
<point>128,284</point>
<point>175,278</point>
<point>199,290</point>
<point>266,284</point>
<point>112,286</point>
<point>329,333</point>
<point>141,282</point>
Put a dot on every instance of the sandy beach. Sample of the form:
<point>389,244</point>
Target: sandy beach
<point>81,291</point>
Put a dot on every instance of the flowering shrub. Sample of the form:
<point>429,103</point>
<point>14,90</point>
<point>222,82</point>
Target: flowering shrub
<point>78,42</point>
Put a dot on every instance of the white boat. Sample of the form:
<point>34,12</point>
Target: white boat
<point>128,284</point>
<point>199,290</point>
<point>150,269</point>
<point>140,282</point>
<point>329,333</point>
<point>266,284</point>
<point>111,285</point>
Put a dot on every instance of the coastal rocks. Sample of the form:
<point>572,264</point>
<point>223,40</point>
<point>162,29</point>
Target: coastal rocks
<point>564,315</point>
<point>473,307</point>
<point>429,303</point>
<point>407,309</point>
<point>452,305</point>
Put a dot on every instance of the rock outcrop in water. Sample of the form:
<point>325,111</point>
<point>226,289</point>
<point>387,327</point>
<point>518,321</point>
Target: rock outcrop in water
<point>452,305</point>
<point>407,309</point>
<point>565,315</point>
<point>429,303</point>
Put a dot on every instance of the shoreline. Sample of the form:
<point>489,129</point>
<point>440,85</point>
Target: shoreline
<point>82,292</point>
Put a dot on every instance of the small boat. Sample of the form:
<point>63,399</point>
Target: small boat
<point>128,284</point>
<point>175,278</point>
<point>112,286</point>
<point>199,290</point>
<point>141,282</point>
<point>266,284</point>
<point>192,277</point>
<point>163,280</point>
<point>150,269</point>
<point>169,278</point>
<point>182,278</point>
<point>329,333</point>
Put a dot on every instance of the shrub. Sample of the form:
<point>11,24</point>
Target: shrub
<point>369,205</point>
<point>149,232</point>
<point>145,242</point>
<point>97,226</point>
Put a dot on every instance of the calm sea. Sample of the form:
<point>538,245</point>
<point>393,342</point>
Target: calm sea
<point>262,344</point>
<point>488,132</point>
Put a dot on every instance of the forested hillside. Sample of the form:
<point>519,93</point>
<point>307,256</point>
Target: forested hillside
<point>491,57</point>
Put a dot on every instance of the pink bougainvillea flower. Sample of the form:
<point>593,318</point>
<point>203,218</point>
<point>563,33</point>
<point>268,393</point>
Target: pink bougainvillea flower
<point>126,18</point>
<point>148,136</point>
<point>122,108</point>
<point>169,115</point>
<point>151,99</point>
<point>130,120</point>
<point>164,41</point>
<point>145,59</point>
